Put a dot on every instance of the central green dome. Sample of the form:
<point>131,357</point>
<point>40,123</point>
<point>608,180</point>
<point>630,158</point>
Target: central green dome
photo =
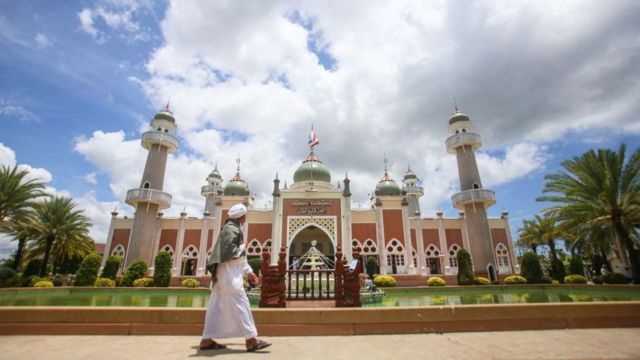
<point>387,187</point>
<point>312,169</point>
<point>236,187</point>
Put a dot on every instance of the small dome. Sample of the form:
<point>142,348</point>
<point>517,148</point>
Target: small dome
<point>312,169</point>
<point>458,116</point>
<point>236,187</point>
<point>215,173</point>
<point>387,186</point>
<point>165,114</point>
<point>410,175</point>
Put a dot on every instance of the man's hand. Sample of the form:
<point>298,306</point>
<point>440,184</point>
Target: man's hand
<point>253,279</point>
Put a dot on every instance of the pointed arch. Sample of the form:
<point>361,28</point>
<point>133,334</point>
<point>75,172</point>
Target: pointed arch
<point>502,256</point>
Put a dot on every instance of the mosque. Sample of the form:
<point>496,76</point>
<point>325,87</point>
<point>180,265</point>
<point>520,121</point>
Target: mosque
<point>312,209</point>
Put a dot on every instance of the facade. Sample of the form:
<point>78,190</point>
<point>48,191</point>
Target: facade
<point>392,229</point>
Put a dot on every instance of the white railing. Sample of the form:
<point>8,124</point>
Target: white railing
<point>455,141</point>
<point>156,137</point>
<point>161,198</point>
<point>463,198</point>
<point>208,189</point>
<point>414,189</point>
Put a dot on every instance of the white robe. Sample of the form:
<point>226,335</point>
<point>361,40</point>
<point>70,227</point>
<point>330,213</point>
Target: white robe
<point>229,312</point>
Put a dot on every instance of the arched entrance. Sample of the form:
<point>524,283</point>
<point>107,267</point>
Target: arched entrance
<point>301,243</point>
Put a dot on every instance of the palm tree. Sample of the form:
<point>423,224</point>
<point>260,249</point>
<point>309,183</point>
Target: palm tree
<point>544,230</point>
<point>601,189</point>
<point>16,193</point>
<point>60,230</point>
<point>22,231</point>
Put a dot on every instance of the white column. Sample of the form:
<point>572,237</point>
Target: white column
<point>420,247</point>
<point>382,246</point>
<point>443,244</point>
<point>155,243</point>
<point>275,233</point>
<point>512,253</point>
<point>177,266</point>
<point>202,251</point>
<point>107,246</point>
<point>346,229</point>
<point>408,263</point>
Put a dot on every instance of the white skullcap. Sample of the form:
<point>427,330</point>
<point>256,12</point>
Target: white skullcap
<point>237,211</point>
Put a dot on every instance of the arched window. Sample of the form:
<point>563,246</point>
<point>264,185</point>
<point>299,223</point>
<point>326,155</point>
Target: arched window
<point>267,244</point>
<point>414,255</point>
<point>355,244</point>
<point>254,248</point>
<point>476,185</point>
<point>118,251</point>
<point>369,248</point>
<point>168,249</point>
<point>189,261</point>
<point>146,185</point>
<point>395,250</point>
<point>432,257</point>
<point>502,255</point>
<point>453,257</point>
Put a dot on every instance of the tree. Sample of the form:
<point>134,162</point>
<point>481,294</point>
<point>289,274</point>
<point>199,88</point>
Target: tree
<point>111,267</point>
<point>21,230</point>
<point>162,270</point>
<point>17,194</point>
<point>545,230</point>
<point>531,269</point>
<point>88,271</point>
<point>465,268</point>
<point>60,229</point>
<point>135,271</point>
<point>601,189</point>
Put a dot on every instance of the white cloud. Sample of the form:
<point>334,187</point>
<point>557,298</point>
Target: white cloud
<point>117,17</point>
<point>42,41</point>
<point>12,109</point>
<point>90,178</point>
<point>519,160</point>
<point>86,24</point>
<point>98,212</point>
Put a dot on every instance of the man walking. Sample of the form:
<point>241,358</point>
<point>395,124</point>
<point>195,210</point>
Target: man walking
<point>229,312</point>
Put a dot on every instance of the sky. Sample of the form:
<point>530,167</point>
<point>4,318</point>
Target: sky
<point>542,81</point>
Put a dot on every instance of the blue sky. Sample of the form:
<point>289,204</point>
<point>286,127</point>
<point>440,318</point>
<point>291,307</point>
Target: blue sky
<point>542,82</point>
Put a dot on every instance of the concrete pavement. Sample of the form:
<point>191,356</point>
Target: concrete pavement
<point>545,344</point>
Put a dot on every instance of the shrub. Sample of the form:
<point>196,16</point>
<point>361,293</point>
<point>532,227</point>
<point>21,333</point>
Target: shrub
<point>436,281</point>
<point>8,277</point>
<point>555,282</point>
<point>255,263</point>
<point>33,280</point>
<point>531,269</point>
<point>575,279</point>
<point>371,266</point>
<point>32,269</point>
<point>557,270</point>
<point>465,268</point>
<point>576,266</point>
<point>614,278</point>
<point>547,280</point>
<point>104,282</point>
<point>162,272</point>
<point>481,280</point>
<point>190,283</point>
<point>143,282</point>
<point>136,270</point>
<point>111,267</point>
<point>57,281</point>
<point>515,280</point>
<point>88,271</point>
<point>43,284</point>
<point>384,281</point>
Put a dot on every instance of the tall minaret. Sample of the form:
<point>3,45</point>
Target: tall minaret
<point>413,191</point>
<point>472,198</point>
<point>149,198</point>
<point>212,191</point>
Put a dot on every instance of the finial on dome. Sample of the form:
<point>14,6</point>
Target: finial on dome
<point>238,162</point>
<point>166,108</point>
<point>386,162</point>
<point>455,105</point>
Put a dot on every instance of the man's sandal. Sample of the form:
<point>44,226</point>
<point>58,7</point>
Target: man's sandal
<point>213,346</point>
<point>258,346</point>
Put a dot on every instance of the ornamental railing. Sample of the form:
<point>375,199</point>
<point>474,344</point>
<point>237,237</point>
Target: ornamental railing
<point>150,138</point>
<point>463,198</point>
<point>161,198</point>
<point>467,138</point>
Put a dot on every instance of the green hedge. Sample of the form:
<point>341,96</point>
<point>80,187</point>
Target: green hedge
<point>190,283</point>
<point>255,263</point>
<point>615,278</point>
<point>514,280</point>
<point>136,270</point>
<point>436,281</point>
<point>481,280</point>
<point>531,269</point>
<point>143,282</point>
<point>88,271</point>
<point>162,270</point>
<point>371,266</point>
<point>104,282</point>
<point>575,279</point>
<point>8,277</point>
<point>384,281</point>
<point>465,268</point>
<point>576,266</point>
<point>111,267</point>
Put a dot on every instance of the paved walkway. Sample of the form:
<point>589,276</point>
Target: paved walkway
<point>547,344</point>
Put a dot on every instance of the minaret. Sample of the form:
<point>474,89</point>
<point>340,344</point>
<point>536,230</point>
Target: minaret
<point>149,198</point>
<point>413,191</point>
<point>472,198</point>
<point>212,191</point>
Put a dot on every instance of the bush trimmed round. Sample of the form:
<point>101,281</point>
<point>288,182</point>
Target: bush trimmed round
<point>436,281</point>
<point>515,280</point>
<point>531,269</point>
<point>111,267</point>
<point>88,271</point>
<point>162,272</point>
<point>384,281</point>
<point>614,278</point>
<point>575,279</point>
<point>143,282</point>
<point>190,283</point>
<point>33,280</point>
<point>43,284</point>
<point>104,282</point>
<point>481,280</point>
<point>135,271</point>
<point>8,277</point>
